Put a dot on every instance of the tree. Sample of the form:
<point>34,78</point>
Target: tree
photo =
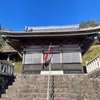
<point>92,23</point>
<point>89,23</point>
<point>82,24</point>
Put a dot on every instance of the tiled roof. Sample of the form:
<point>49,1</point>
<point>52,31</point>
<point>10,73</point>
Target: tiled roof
<point>7,48</point>
<point>48,28</point>
<point>52,30</point>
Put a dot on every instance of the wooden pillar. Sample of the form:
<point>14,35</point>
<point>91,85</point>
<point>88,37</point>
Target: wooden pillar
<point>87,67</point>
<point>23,60</point>
<point>42,58</point>
<point>8,57</point>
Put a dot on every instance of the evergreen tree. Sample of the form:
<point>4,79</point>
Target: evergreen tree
<point>82,24</point>
<point>89,23</point>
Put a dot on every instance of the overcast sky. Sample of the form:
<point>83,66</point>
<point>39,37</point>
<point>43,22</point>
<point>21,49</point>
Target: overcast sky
<point>16,14</point>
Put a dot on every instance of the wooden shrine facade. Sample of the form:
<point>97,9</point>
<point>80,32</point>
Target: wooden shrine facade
<point>63,57</point>
<point>68,44</point>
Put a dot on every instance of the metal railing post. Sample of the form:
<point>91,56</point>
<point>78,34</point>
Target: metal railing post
<point>48,88</point>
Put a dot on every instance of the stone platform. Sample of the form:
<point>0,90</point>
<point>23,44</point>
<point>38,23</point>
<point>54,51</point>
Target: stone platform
<point>52,73</point>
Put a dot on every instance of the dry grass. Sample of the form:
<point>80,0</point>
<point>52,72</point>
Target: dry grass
<point>91,53</point>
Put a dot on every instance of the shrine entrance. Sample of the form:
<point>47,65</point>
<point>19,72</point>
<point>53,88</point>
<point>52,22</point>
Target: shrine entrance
<point>69,44</point>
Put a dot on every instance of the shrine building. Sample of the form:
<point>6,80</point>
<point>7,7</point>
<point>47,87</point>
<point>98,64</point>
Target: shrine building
<point>67,46</point>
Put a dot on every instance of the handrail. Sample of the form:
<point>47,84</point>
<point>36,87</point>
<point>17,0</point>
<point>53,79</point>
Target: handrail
<point>48,88</point>
<point>6,69</point>
<point>52,93</point>
<point>93,64</point>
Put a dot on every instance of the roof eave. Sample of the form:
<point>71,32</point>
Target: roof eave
<point>50,35</point>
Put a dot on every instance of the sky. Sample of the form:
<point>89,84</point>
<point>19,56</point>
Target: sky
<point>16,14</point>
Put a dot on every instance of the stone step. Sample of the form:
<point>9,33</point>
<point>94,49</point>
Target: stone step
<point>66,87</point>
<point>24,98</point>
<point>61,86</point>
<point>69,76</point>
<point>72,75</point>
<point>58,81</point>
<point>32,83</point>
<point>73,86</point>
<point>56,76</point>
<point>56,90</point>
<point>18,77</point>
<point>71,80</point>
<point>55,82</point>
<point>77,96</point>
<point>31,87</point>
<point>64,90</point>
<point>27,91</point>
<point>25,95</point>
<point>50,99</point>
<point>39,99</point>
<point>31,78</point>
<point>55,95</point>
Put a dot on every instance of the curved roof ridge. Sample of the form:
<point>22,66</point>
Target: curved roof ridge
<point>54,26</point>
<point>52,29</point>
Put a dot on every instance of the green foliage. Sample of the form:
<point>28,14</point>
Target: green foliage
<point>82,24</point>
<point>18,67</point>
<point>91,53</point>
<point>89,23</point>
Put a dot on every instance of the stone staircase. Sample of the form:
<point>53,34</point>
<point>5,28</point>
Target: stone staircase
<point>62,87</point>
<point>74,87</point>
